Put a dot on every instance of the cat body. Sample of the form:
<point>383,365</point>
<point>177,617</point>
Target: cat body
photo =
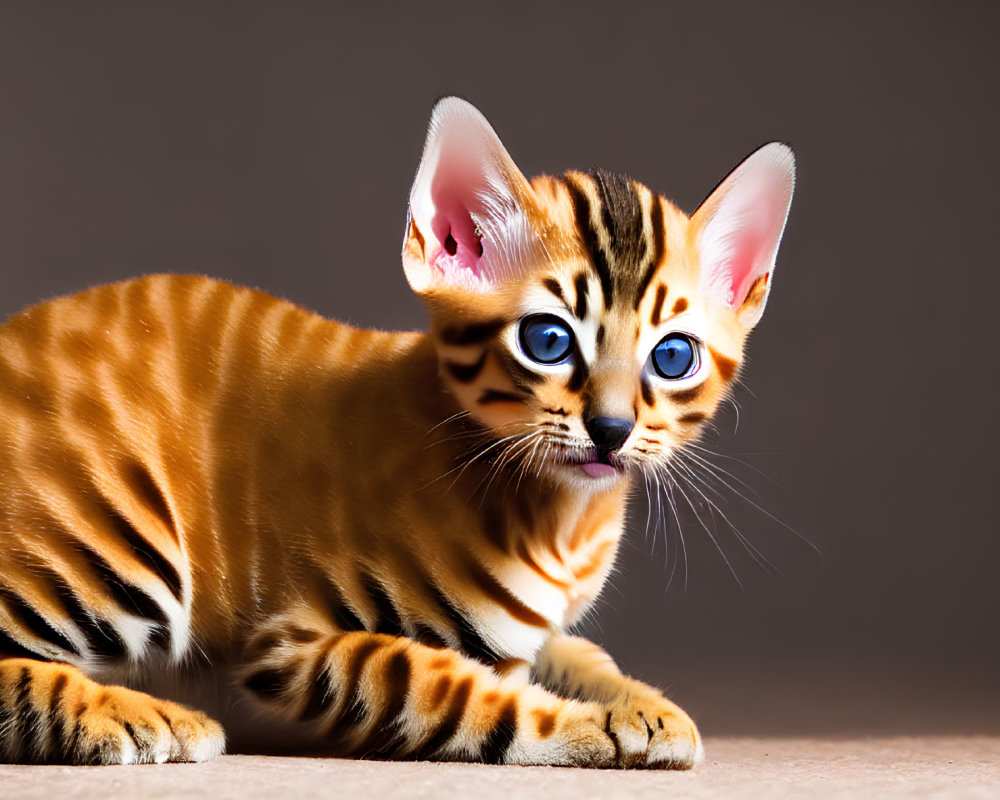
<point>379,539</point>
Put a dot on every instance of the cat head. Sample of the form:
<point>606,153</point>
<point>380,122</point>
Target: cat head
<point>584,321</point>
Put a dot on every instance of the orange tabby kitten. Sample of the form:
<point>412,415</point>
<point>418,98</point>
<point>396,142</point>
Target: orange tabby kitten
<point>376,539</point>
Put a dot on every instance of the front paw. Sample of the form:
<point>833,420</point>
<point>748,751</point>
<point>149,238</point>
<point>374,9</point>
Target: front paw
<point>650,731</point>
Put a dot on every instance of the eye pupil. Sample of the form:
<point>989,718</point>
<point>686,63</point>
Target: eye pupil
<point>674,357</point>
<point>545,339</point>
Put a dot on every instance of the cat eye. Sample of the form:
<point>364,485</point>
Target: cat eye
<point>676,356</point>
<point>545,339</point>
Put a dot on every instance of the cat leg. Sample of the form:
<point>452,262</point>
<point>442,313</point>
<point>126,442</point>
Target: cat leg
<point>377,695</point>
<point>648,728</point>
<point>52,713</point>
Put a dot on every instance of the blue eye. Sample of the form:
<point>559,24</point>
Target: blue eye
<point>675,356</point>
<point>545,339</point>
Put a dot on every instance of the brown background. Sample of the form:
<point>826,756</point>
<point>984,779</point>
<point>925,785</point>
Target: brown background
<point>273,144</point>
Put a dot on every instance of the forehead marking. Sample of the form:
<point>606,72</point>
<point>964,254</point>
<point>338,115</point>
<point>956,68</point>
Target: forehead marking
<point>680,305</point>
<point>661,295</point>
<point>553,286</point>
<point>659,248</point>
<point>588,233</point>
<point>621,213</point>
<point>580,285</point>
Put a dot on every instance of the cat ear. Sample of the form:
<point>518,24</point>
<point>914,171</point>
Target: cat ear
<point>467,225</point>
<point>739,227</point>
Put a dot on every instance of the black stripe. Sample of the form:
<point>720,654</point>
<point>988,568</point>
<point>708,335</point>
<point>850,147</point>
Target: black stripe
<point>659,234</point>
<point>103,639</point>
<point>166,721</point>
<point>385,734</point>
<point>128,597</point>
<point>322,692</point>
<point>588,233</point>
<point>55,712</point>
<point>553,286</point>
<point>647,392</point>
<point>341,613</point>
<point>621,212</point>
<point>580,286</point>
<point>269,684</point>
<point>472,334</point>
<point>10,648</point>
<point>145,552</point>
<point>471,643</point>
<point>661,295</point>
<point>55,699</point>
<point>490,396</point>
<point>28,720</point>
<point>31,620</point>
<point>427,636</point>
<point>354,711</point>
<point>144,487</point>
<point>644,284</point>
<point>466,373</point>
<point>386,616</point>
<point>659,248</point>
<point>614,740</point>
<point>494,749</point>
<point>580,373</point>
<point>131,733</point>
<point>688,395</point>
<point>522,377</point>
<point>450,723</point>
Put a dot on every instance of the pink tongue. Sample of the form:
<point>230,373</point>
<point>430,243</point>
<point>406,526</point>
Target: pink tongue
<point>597,470</point>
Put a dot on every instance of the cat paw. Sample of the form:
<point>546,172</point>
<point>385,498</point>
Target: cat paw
<point>120,726</point>
<point>53,713</point>
<point>650,731</point>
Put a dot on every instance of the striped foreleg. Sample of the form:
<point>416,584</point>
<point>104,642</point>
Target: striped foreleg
<point>377,695</point>
<point>52,713</point>
<point>649,729</point>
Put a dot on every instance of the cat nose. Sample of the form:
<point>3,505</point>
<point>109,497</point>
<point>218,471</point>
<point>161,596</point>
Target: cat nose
<point>609,433</point>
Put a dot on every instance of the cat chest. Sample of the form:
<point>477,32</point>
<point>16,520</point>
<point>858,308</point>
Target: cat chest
<point>549,587</point>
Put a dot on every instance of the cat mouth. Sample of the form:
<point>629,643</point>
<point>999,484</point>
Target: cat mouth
<point>593,463</point>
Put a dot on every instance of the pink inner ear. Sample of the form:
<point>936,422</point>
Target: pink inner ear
<point>742,266</point>
<point>461,246</point>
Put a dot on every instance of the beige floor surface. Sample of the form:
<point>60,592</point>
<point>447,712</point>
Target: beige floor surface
<point>925,767</point>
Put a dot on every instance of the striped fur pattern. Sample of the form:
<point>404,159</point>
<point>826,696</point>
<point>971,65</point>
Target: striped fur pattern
<point>378,539</point>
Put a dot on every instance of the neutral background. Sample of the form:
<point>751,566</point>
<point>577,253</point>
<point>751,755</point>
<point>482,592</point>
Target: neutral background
<point>273,144</point>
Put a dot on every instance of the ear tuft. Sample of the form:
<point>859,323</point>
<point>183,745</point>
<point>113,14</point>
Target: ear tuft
<point>739,228</point>
<point>468,223</point>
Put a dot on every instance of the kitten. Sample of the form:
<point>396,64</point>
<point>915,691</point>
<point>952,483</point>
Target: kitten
<point>379,539</point>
